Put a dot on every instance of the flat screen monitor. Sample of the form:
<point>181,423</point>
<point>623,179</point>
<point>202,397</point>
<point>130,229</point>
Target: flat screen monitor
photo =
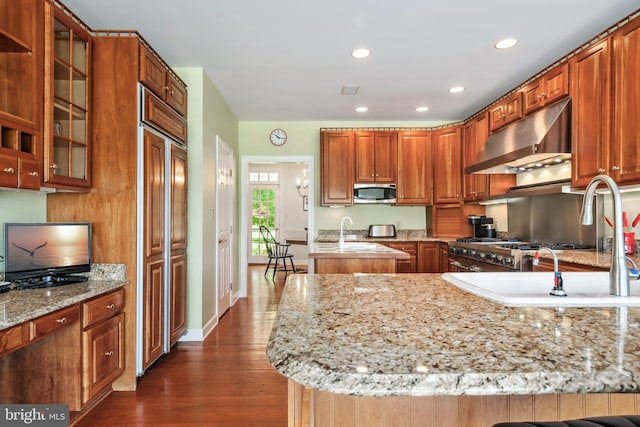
<point>46,249</point>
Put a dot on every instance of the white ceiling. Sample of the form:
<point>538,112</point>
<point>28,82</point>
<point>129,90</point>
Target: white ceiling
<point>287,60</point>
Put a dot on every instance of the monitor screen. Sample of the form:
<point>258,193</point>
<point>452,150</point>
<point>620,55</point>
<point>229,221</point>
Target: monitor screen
<point>46,249</point>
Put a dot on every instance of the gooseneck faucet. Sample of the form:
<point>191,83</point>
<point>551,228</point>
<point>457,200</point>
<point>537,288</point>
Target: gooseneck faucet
<point>342,221</point>
<point>558,289</point>
<point>618,275</point>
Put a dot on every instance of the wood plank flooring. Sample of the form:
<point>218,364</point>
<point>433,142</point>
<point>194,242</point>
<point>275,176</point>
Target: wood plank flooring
<point>224,381</point>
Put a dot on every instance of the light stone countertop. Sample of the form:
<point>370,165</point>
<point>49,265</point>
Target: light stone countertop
<point>359,250</point>
<point>418,335</point>
<point>585,257</point>
<point>19,306</point>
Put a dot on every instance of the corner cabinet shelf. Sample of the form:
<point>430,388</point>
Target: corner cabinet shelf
<point>67,90</point>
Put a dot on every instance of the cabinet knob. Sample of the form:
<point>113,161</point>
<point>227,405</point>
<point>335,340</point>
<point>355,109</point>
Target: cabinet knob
<point>10,171</point>
<point>62,320</point>
<point>109,353</point>
<point>615,168</point>
<point>111,307</point>
<point>34,174</point>
<point>601,170</point>
<point>54,166</point>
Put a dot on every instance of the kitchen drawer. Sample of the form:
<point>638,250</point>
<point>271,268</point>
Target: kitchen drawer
<point>55,321</point>
<point>13,338</point>
<point>101,308</point>
<point>409,247</point>
<point>164,117</point>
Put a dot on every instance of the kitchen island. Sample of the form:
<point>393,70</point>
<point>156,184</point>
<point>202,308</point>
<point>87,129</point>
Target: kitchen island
<point>353,257</point>
<point>419,351</point>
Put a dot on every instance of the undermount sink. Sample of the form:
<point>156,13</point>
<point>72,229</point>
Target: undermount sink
<point>584,289</point>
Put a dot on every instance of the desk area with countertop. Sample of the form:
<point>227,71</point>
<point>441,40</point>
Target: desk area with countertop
<point>63,344</point>
<point>414,347</point>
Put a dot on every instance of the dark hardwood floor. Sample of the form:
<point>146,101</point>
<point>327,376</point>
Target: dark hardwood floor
<point>224,381</point>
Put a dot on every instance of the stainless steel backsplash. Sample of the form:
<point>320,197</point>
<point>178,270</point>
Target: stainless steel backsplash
<point>554,218</point>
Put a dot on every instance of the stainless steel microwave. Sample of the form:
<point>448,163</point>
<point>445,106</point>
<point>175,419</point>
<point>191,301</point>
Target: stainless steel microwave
<point>374,193</point>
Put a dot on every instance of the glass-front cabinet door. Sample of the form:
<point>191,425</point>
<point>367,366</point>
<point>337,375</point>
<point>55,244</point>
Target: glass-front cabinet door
<point>67,89</point>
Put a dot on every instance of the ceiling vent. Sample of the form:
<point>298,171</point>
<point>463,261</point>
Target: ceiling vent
<point>350,89</point>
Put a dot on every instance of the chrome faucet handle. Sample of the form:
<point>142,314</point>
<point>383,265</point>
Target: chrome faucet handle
<point>558,289</point>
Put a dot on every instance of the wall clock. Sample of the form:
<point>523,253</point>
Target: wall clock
<point>278,137</point>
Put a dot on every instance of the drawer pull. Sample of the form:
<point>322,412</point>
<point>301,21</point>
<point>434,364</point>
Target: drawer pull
<point>33,173</point>
<point>10,170</point>
<point>62,320</point>
<point>111,306</point>
<point>109,353</point>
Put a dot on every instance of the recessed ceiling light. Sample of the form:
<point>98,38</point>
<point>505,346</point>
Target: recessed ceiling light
<point>361,53</point>
<point>456,89</point>
<point>505,44</point>
<point>362,109</point>
<point>422,109</point>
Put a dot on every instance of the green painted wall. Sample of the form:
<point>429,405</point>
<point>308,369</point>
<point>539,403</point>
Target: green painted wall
<point>209,115</point>
<point>20,206</point>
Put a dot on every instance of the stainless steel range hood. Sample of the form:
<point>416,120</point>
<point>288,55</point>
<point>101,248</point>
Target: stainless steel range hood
<point>543,137</point>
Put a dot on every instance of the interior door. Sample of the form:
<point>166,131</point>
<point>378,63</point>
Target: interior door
<point>225,201</point>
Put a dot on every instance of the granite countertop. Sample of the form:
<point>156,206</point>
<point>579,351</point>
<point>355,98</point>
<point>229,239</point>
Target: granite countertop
<point>586,257</point>
<point>19,306</point>
<point>418,335</point>
<point>369,250</point>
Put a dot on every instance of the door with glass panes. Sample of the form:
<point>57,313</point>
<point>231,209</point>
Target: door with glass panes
<point>263,204</point>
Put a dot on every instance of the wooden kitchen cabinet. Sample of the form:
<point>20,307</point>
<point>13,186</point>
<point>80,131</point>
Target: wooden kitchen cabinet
<point>478,186</point>
<point>506,111</point>
<point>430,258</point>
<point>447,165</point>
<point>605,87</point>
<point>415,168</point>
<point>21,59</point>
<point>376,156</point>
<point>21,56</point>
<point>67,130</point>
<point>406,265</point>
<point>625,157</point>
<point>452,220</point>
<point>102,343</point>
<point>162,81</point>
<point>546,89</point>
<point>337,164</point>
<point>178,258</point>
<point>591,94</point>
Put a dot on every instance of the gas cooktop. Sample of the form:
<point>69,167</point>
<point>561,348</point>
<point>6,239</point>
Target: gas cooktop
<point>521,245</point>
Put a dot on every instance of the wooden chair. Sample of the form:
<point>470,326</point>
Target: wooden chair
<point>276,252</point>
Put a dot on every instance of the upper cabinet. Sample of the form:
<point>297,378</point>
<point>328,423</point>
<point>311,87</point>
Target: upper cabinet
<point>67,136</point>
<point>415,168</point>
<point>590,91</point>
<point>506,111</point>
<point>162,81</point>
<point>546,89</point>
<point>337,161</point>
<point>21,56</point>
<point>625,156</point>
<point>376,156</point>
<point>447,173</point>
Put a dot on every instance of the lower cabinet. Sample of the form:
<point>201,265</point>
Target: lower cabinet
<point>102,343</point>
<point>428,257</point>
<point>406,265</point>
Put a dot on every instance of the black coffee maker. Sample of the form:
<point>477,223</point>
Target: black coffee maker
<point>482,226</point>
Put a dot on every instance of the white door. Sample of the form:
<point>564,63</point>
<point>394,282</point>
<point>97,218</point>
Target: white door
<point>225,206</point>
